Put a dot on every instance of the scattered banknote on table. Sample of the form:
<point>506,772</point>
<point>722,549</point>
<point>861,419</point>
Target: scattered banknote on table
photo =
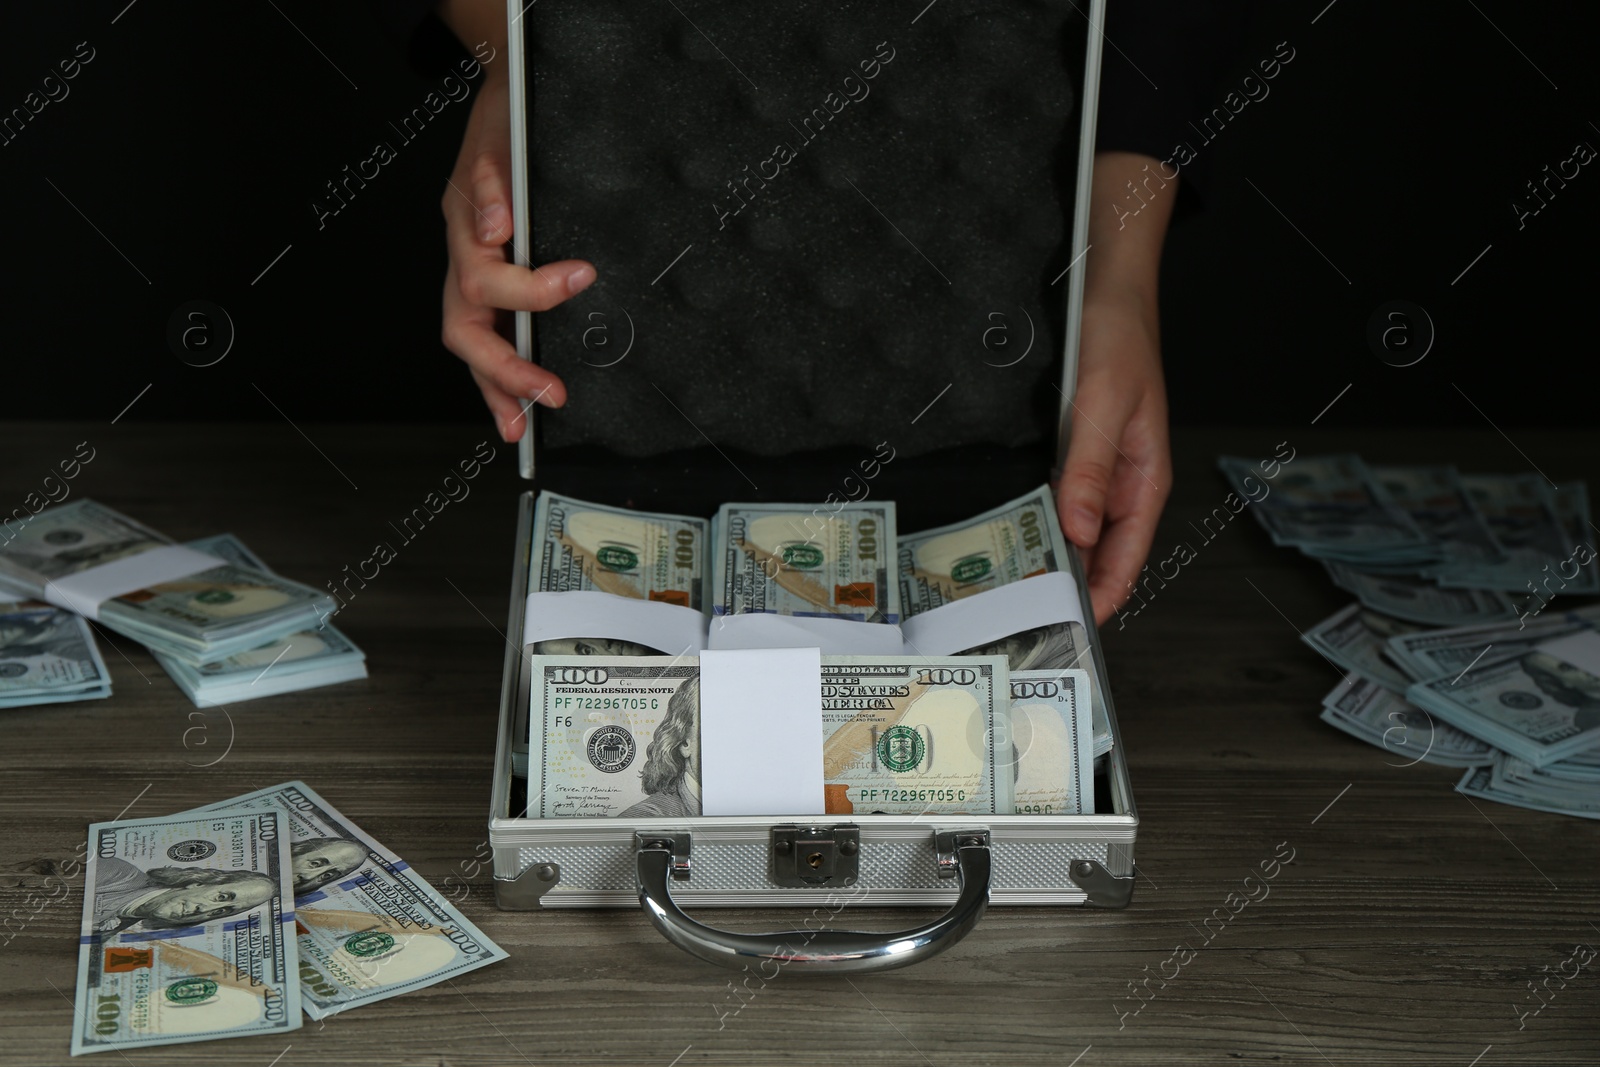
<point>233,919</point>
<point>196,619</point>
<point>620,736</point>
<point>1455,652</point>
<point>1429,544</point>
<point>640,555</point>
<point>1381,717</point>
<point>48,656</point>
<point>369,927</point>
<point>1332,507</point>
<point>187,932</point>
<point>785,559</point>
<point>308,659</point>
<point>1017,540</point>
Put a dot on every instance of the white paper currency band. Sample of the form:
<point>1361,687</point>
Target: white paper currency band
<point>1008,609</point>
<point>761,731</point>
<point>85,591</point>
<point>836,637</point>
<point>1581,650</point>
<point>669,628</point>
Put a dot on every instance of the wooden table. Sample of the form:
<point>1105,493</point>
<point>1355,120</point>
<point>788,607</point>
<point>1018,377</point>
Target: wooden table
<point>1406,929</point>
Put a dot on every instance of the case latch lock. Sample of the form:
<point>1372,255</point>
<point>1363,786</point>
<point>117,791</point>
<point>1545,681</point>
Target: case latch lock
<point>804,856</point>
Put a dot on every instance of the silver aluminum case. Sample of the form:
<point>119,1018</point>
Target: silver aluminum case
<point>1061,859</point>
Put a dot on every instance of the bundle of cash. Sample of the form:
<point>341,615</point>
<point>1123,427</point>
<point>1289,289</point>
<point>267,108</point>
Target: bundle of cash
<point>233,919</point>
<point>1426,544</point>
<point>825,562</point>
<point>620,736</point>
<point>1017,540</point>
<point>307,659</point>
<point>1519,703</point>
<point>195,619</point>
<point>1379,716</point>
<point>1332,507</point>
<point>48,656</point>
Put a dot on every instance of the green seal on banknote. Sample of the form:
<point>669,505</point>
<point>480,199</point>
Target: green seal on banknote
<point>191,990</point>
<point>802,556</point>
<point>368,943</point>
<point>215,596</point>
<point>969,570</point>
<point>901,749</point>
<point>1520,700</point>
<point>616,558</point>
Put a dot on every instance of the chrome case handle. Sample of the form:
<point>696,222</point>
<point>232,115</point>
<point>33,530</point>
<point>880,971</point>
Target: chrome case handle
<point>963,855</point>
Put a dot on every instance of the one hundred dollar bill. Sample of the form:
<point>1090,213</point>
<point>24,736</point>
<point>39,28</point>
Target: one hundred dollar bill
<point>1441,506</point>
<point>1355,638</point>
<point>1430,654</point>
<point>1366,710</point>
<point>303,660</point>
<point>791,559</point>
<point>1333,507</point>
<point>1521,511</point>
<point>216,612</point>
<point>369,927</point>
<point>1052,743</point>
<point>1541,706</point>
<point>1415,600</point>
<point>613,736</point>
<point>911,736</point>
<point>1486,784</point>
<point>187,932</point>
<point>641,555</point>
<point>1571,502</point>
<point>48,655</point>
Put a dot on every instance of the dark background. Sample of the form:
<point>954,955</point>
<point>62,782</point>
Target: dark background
<point>198,137</point>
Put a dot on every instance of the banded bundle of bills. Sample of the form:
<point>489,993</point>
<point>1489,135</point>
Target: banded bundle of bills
<point>232,920</point>
<point>1017,540</point>
<point>640,555</point>
<point>783,559</point>
<point>84,554</point>
<point>620,736</point>
<point>1428,545</point>
<point>307,659</point>
<point>48,656</point>
<point>1519,703</point>
<point>843,561</point>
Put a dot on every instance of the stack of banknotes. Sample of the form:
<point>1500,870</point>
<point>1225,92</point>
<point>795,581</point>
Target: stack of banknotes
<point>1517,706</point>
<point>620,736</point>
<point>48,656</point>
<point>229,632</point>
<point>1455,654</point>
<point>306,659</point>
<point>1426,544</point>
<point>844,560</point>
<point>233,919</point>
<point>1007,738</point>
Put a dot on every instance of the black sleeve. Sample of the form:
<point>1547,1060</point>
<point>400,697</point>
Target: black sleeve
<point>1161,67</point>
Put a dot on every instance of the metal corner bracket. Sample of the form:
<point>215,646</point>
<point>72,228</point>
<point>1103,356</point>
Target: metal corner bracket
<point>1103,889</point>
<point>526,890</point>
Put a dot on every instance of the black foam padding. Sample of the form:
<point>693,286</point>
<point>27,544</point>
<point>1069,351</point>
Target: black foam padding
<point>909,239</point>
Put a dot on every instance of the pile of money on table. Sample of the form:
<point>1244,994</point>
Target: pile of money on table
<point>233,919</point>
<point>1454,653</point>
<point>224,626</point>
<point>1016,722</point>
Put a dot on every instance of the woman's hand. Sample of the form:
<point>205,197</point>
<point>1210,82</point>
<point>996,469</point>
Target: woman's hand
<point>1119,465</point>
<point>481,282</point>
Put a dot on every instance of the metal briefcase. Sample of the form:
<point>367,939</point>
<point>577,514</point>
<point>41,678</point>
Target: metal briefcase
<point>820,863</point>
